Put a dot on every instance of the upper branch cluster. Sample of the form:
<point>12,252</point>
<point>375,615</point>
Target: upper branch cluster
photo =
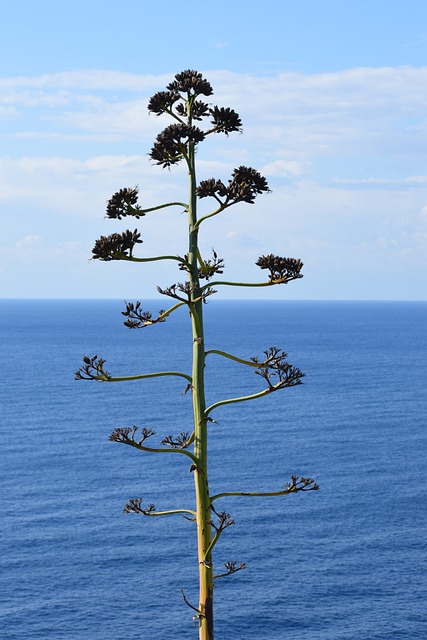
<point>180,101</point>
<point>245,184</point>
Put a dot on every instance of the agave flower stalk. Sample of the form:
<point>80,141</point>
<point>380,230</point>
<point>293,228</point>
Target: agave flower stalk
<point>184,102</point>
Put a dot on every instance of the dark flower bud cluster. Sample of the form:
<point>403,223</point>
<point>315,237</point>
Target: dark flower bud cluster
<point>282,270</point>
<point>225,120</point>
<point>187,289</point>
<point>93,369</point>
<point>245,184</point>
<point>169,147</point>
<point>137,318</point>
<point>126,435</point>
<point>190,82</point>
<point>301,484</point>
<point>124,203</point>
<point>197,110</point>
<point>162,101</point>
<point>181,441</point>
<point>135,506</point>
<point>209,267</point>
<point>118,246</point>
<point>276,371</point>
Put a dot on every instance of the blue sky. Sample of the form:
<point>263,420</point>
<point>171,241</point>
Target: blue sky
<point>333,99</point>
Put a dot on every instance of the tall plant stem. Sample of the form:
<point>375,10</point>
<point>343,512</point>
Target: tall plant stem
<point>203,501</point>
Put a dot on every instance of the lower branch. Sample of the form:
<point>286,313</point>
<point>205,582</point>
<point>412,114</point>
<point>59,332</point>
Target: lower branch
<point>297,484</point>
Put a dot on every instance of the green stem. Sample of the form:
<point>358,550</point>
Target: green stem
<point>171,310</point>
<point>239,284</point>
<point>161,206</point>
<point>170,513</point>
<point>260,394</point>
<point>122,256</point>
<point>203,501</point>
<point>252,494</point>
<point>210,215</point>
<point>158,374</point>
<point>224,354</point>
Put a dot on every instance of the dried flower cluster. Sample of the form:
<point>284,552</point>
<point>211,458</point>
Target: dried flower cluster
<point>181,441</point>
<point>135,506</point>
<point>276,371</point>
<point>245,184</point>
<point>208,268</point>
<point>93,369</point>
<point>170,145</point>
<point>301,484</point>
<point>124,203</point>
<point>118,246</point>
<point>282,270</point>
<point>187,289</point>
<point>126,435</point>
<point>137,318</point>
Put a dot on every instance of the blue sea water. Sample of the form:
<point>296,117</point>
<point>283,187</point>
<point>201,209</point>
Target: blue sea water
<point>345,563</point>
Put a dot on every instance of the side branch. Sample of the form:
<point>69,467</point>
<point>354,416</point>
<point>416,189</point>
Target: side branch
<point>93,369</point>
<point>135,506</point>
<point>126,435</point>
<point>297,484</point>
<point>224,354</point>
<point>260,394</point>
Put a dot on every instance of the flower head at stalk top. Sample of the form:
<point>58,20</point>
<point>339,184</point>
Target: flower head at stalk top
<point>191,82</point>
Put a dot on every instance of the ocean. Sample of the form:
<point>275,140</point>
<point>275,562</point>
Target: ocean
<point>345,563</point>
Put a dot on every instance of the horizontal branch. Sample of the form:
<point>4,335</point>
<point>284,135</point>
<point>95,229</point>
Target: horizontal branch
<point>297,484</point>
<point>143,376</point>
<point>218,283</point>
<point>163,206</point>
<point>126,258</point>
<point>171,513</point>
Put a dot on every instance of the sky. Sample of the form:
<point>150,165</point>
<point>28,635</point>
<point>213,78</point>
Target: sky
<point>333,100</point>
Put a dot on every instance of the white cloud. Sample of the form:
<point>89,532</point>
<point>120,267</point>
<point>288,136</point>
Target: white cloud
<point>344,153</point>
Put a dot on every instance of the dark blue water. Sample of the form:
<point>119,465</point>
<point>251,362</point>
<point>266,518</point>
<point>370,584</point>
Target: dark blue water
<point>347,562</point>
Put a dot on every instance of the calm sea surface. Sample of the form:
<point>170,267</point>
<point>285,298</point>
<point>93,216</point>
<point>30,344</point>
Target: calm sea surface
<point>345,563</point>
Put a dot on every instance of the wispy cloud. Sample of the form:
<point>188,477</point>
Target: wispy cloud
<point>344,153</point>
